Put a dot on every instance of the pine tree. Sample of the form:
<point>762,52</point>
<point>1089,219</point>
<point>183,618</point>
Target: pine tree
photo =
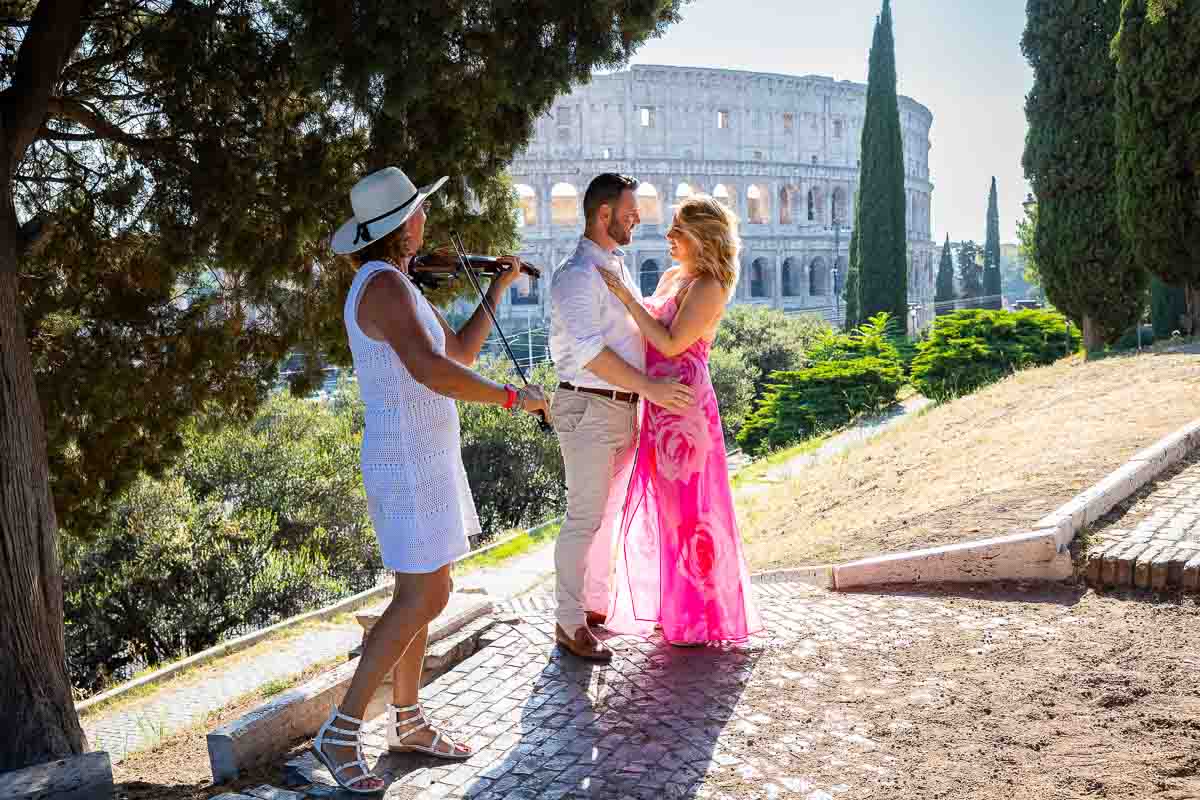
<point>147,146</point>
<point>880,257</point>
<point>970,272</point>
<point>1070,152</point>
<point>944,299</point>
<point>1157,53</point>
<point>992,288</point>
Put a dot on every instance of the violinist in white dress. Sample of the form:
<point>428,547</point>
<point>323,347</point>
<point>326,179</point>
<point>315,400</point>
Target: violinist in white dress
<point>411,367</point>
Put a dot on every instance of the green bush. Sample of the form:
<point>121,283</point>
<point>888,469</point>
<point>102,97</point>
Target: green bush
<point>876,337</point>
<point>972,348</point>
<point>769,339</point>
<point>254,523</point>
<point>515,470</point>
<point>733,376</point>
<point>827,395</point>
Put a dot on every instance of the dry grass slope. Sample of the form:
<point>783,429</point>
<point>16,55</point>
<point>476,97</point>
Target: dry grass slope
<point>985,465</point>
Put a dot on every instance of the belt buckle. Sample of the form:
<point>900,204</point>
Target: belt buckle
<point>614,395</point>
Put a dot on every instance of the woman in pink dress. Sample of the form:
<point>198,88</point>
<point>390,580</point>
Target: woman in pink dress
<point>679,561</point>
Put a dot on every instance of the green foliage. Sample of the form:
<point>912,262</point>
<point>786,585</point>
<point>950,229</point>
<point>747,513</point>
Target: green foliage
<point>845,375</point>
<point>992,283</point>
<point>195,160</point>
<point>970,272</point>
<point>255,522</point>
<point>1157,55</point>
<point>827,395</point>
<point>733,375</point>
<point>1070,151</point>
<point>1167,305</point>
<point>515,470</point>
<point>767,338</point>
<point>973,347</point>
<point>945,281</point>
<point>879,253</point>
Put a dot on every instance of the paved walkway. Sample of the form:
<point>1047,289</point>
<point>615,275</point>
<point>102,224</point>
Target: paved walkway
<point>661,722</point>
<point>1156,543</point>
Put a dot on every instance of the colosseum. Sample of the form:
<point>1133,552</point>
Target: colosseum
<point>781,150</point>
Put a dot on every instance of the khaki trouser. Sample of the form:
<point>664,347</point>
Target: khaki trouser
<point>597,438</point>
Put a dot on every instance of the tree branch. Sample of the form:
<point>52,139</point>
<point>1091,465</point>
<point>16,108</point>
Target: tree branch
<point>77,112</point>
<point>54,32</point>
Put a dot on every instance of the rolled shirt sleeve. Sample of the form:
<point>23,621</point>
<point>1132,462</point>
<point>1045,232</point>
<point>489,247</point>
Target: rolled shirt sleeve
<point>577,295</point>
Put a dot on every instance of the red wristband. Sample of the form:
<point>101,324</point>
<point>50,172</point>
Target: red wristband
<point>512,396</point>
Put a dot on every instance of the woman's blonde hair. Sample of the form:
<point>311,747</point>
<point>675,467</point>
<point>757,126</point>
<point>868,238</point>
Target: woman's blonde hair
<point>395,246</point>
<point>712,230</point>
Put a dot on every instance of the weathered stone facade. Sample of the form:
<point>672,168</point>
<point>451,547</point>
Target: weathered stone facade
<point>781,150</point>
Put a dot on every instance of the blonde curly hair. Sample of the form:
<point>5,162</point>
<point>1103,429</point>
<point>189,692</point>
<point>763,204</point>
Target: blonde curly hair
<point>712,230</point>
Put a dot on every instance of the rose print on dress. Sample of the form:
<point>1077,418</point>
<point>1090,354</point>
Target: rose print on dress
<point>681,444</point>
<point>699,553</point>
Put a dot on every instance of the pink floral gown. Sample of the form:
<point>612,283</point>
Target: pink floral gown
<point>678,559</point>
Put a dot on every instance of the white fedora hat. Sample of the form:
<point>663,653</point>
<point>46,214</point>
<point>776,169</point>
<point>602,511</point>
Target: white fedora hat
<point>382,202</point>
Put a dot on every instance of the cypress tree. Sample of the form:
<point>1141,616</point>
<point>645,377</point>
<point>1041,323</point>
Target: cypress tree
<point>879,224</point>
<point>1168,304</point>
<point>992,288</point>
<point>970,274</point>
<point>1157,54</point>
<point>853,316</point>
<point>1070,150</point>
<point>944,299</point>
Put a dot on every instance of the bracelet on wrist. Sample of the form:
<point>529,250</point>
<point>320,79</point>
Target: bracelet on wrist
<point>511,396</point>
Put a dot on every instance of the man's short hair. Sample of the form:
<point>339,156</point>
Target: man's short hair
<point>605,188</point>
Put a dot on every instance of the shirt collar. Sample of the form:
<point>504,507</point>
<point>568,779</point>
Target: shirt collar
<point>587,244</point>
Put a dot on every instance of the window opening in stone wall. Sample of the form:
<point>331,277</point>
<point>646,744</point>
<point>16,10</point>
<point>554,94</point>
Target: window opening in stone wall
<point>839,205</point>
<point>785,206</point>
<point>721,195</point>
<point>814,159</point>
<point>837,129</point>
<point>606,152</point>
<point>683,190</point>
<point>723,120</point>
<point>564,204</point>
<point>648,277</point>
<point>649,208</point>
<point>758,278</point>
<point>758,155</point>
<point>647,116</point>
<point>812,207</point>
<point>788,278</point>
<point>816,277</point>
<point>526,205</point>
<point>756,206</point>
<point>789,122</point>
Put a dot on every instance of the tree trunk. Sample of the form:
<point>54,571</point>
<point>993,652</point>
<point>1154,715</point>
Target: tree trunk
<point>40,723</point>
<point>1093,340</point>
<point>1190,325</point>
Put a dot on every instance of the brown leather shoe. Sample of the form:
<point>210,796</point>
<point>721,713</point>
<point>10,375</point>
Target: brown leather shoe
<point>583,645</point>
<point>595,619</point>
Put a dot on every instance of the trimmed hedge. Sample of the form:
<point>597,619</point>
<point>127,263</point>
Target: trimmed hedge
<point>971,348</point>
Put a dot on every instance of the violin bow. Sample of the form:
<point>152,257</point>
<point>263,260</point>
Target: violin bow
<point>461,252</point>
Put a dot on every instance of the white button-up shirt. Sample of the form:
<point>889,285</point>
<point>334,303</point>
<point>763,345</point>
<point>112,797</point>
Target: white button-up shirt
<point>585,317</point>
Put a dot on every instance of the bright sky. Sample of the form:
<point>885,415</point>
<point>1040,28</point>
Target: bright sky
<point>960,58</point>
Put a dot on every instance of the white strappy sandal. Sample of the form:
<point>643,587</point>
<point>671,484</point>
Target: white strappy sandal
<point>359,763</point>
<point>400,729</point>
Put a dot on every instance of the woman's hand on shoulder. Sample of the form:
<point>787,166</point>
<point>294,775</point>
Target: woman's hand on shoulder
<point>616,285</point>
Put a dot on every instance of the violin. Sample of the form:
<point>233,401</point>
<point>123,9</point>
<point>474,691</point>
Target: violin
<point>436,269</point>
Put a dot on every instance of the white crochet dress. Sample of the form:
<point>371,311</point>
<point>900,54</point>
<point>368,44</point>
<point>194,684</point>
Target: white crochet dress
<point>412,467</point>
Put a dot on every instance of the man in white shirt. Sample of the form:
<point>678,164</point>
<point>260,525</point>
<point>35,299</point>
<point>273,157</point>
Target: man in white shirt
<point>600,358</point>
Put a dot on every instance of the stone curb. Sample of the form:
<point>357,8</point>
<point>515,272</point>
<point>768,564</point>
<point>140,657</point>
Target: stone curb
<point>298,712</point>
<point>821,576</point>
<point>1040,554</point>
<point>83,777</point>
<point>1027,556</point>
<point>1092,504</point>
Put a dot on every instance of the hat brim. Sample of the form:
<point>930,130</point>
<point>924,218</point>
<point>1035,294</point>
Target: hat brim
<point>342,242</point>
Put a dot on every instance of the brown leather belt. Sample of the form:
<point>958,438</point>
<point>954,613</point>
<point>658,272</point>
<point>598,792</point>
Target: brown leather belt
<point>612,394</point>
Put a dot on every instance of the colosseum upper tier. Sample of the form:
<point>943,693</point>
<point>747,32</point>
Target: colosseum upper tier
<point>780,150</point>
